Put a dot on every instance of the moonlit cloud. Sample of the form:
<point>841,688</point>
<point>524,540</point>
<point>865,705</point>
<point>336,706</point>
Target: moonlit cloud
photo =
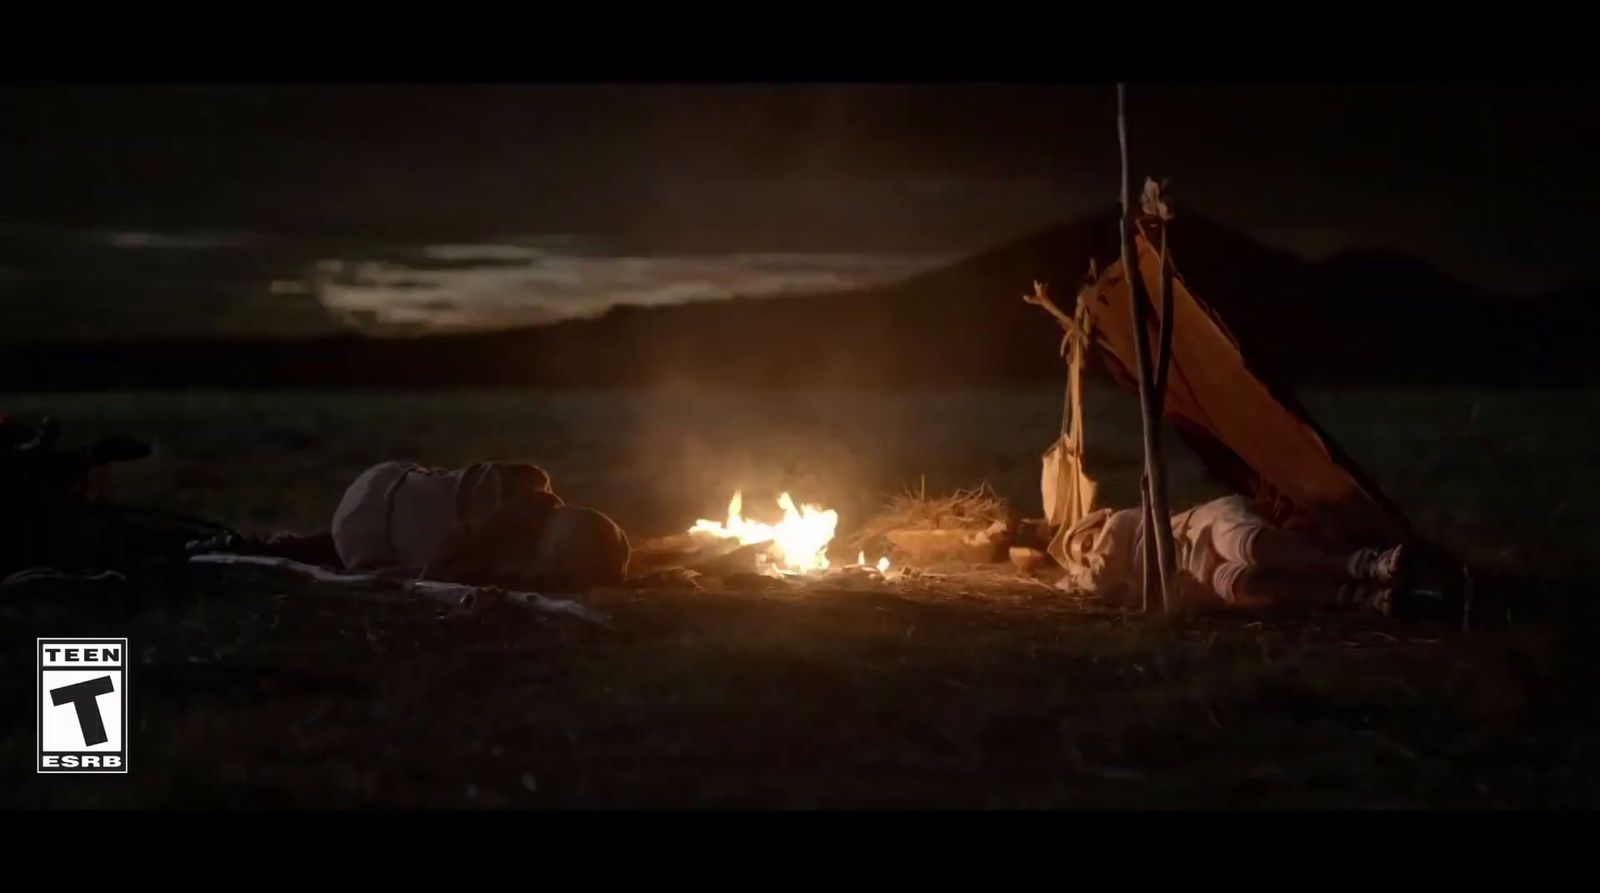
<point>525,284</point>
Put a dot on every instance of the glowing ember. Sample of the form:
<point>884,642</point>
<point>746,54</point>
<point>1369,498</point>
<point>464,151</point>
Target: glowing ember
<point>799,541</point>
<point>882,565</point>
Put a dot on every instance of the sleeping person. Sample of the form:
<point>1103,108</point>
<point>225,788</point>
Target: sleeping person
<point>1225,550</point>
<point>490,523</point>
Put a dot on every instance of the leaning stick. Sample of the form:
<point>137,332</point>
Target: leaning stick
<point>1164,346</point>
<point>1156,207</point>
<point>1157,519</point>
<point>1041,298</point>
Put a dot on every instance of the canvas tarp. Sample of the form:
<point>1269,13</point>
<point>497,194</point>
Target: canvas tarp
<point>1254,436</point>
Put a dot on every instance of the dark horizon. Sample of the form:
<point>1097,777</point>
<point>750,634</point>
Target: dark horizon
<point>1489,184</point>
<point>1480,180</point>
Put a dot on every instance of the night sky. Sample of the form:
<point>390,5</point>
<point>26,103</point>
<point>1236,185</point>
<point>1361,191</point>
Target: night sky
<point>1492,183</point>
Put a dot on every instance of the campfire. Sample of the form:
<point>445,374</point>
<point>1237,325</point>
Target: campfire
<point>798,542</point>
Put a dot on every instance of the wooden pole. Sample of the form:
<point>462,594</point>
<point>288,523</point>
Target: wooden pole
<point>1158,521</point>
<point>1150,572</point>
<point>1163,363</point>
<point>1164,348</point>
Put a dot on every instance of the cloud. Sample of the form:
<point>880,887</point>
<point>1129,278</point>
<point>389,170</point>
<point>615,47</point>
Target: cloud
<point>525,284</point>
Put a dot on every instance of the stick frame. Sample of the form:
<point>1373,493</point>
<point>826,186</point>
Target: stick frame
<point>1157,518</point>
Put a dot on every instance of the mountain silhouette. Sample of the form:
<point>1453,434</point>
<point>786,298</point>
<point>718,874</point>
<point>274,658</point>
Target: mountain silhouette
<point>1372,317</point>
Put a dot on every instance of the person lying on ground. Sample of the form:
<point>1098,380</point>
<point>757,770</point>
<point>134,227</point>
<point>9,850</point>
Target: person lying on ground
<point>1226,551</point>
<point>488,524</point>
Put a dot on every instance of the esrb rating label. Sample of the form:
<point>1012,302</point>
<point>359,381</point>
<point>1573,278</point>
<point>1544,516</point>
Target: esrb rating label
<point>83,705</point>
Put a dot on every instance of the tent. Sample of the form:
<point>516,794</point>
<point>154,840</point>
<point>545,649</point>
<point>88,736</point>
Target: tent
<point>1250,433</point>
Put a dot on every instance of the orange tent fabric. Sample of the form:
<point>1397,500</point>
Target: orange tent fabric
<point>1256,437</point>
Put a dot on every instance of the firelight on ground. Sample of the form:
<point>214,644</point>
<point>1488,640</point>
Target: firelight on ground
<point>799,541</point>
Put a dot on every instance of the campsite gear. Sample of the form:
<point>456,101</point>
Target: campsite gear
<point>1158,565</point>
<point>51,516</point>
<point>395,513</point>
<point>966,545</point>
<point>1067,489</point>
<point>1252,435</point>
<point>1389,567</point>
<point>1068,492</point>
<point>1029,560</point>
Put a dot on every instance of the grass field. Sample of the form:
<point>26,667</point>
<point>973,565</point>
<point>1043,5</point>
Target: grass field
<point>964,698</point>
<point>1500,476</point>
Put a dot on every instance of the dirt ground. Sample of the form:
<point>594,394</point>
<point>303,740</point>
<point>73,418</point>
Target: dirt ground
<point>986,695</point>
<point>955,695</point>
